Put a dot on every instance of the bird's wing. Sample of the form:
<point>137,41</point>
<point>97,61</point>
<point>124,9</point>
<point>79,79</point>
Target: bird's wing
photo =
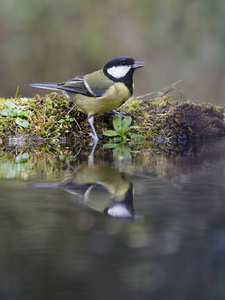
<point>75,85</point>
<point>98,83</point>
<point>91,85</point>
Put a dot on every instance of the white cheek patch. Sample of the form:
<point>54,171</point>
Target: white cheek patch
<point>119,72</point>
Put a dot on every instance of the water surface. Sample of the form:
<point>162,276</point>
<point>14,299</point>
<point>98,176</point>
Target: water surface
<point>165,238</point>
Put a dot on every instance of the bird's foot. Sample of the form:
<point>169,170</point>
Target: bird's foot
<point>121,115</point>
<point>95,138</point>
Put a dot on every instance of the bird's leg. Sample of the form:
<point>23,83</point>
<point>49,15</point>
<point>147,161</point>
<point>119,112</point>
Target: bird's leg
<point>118,114</point>
<point>91,122</point>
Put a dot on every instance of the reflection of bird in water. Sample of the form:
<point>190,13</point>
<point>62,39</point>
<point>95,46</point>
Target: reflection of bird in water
<point>103,189</point>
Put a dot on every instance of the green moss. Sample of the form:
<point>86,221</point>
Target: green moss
<point>45,113</point>
<point>168,119</point>
<point>161,120</point>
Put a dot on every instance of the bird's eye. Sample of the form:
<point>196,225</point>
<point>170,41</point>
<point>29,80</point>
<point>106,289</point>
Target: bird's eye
<point>123,63</point>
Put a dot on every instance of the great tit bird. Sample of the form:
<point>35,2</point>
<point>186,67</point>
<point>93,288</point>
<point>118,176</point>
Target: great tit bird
<point>101,91</point>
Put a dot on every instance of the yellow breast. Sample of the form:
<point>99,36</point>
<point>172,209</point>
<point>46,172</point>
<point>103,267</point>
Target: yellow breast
<point>115,96</point>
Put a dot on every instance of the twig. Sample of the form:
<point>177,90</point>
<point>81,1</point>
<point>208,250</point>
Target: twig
<point>73,117</point>
<point>70,110</point>
<point>166,89</point>
<point>77,124</point>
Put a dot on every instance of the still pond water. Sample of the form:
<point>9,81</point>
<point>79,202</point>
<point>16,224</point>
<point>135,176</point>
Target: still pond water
<point>149,228</point>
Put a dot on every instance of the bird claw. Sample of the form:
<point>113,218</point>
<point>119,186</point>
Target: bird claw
<point>95,138</point>
<point>121,115</point>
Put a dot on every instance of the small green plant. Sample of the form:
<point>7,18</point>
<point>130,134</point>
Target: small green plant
<point>67,118</point>
<point>121,129</point>
<point>17,112</point>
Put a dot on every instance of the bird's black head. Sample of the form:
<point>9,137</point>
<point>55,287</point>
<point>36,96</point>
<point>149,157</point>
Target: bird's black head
<point>121,69</point>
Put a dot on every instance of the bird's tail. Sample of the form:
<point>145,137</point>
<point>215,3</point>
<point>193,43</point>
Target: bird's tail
<point>47,86</point>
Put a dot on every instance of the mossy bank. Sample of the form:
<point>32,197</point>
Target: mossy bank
<point>160,120</point>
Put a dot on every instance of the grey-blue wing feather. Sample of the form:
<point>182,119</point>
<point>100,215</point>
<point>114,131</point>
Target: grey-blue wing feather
<point>70,87</point>
<point>76,86</point>
<point>48,86</point>
<point>91,85</point>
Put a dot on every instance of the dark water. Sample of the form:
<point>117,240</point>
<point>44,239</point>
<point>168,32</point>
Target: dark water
<point>57,241</point>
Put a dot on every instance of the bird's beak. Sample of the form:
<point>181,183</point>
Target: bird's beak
<point>138,64</point>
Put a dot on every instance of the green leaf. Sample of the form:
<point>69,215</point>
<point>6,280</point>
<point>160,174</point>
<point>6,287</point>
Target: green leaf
<point>6,112</point>
<point>14,112</point>
<point>22,158</point>
<point>17,91</point>
<point>118,139</point>
<point>133,127</point>
<point>117,123</point>
<point>10,105</point>
<point>111,133</point>
<point>24,113</point>
<point>21,122</point>
<point>110,145</point>
<point>126,123</point>
<point>62,121</point>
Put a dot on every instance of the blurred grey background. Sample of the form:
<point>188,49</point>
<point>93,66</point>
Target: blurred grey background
<point>54,40</point>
